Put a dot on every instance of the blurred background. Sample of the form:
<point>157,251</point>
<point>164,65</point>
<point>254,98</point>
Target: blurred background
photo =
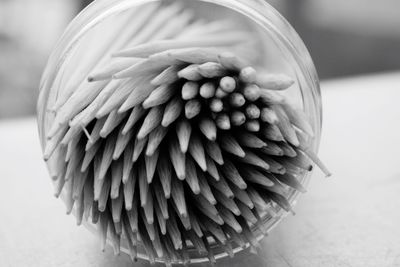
<point>345,37</point>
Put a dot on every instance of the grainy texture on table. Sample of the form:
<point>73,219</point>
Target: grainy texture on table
<point>351,219</point>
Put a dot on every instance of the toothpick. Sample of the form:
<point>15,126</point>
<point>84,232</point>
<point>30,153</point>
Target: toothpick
<point>130,239</point>
<point>193,55</point>
<point>274,81</point>
<point>230,145</point>
<point>122,143</point>
<point>220,93</point>
<point>242,195</point>
<point>133,216</point>
<point>214,151</point>
<point>191,176</point>
<point>190,90</point>
<point>113,120</point>
<point>215,230</point>
<point>252,92</point>
<point>98,183</point>
<point>177,159</point>
<point>298,118</point>
<point>162,203</point>
<point>229,219</point>
<point>288,150</point>
<point>164,174</point>
<point>148,49</point>
<point>141,16</point>
<point>216,105</point>
<point>196,150</point>
<point>192,108</point>
<point>107,156</point>
<point>51,144</point>
<point>208,128</point>
<point>238,118</point>
<point>148,209</point>
<point>228,84</point>
<point>129,189</point>
<point>272,132</point>
<point>178,196</point>
<point>223,122</point>
<point>79,182</point>
<point>137,95</point>
<point>269,97</point>
<point>107,71</point>
<point>228,203</point>
<point>116,207</point>
<point>207,90</point>
<point>253,112</point>
<point>136,114</point>
<point>246,212</point>
<point>157,243</point>
<point>118,97</point>
<point>184,131</point>
<point>291,181</point>
<point>253,159</point>
<point>285,126</point>
<point>230,61</point>
<point>236,100</point>
<point>252,126</point>
<point>143,184</point>
<point>272,149</point>
<point>212,168</point>
<point>116,176</point>
<point>167,76</point>
<point>248,75</point>
<point>301,160</point>
<point>155,139</point>
<point>250,140</point>
<point>148,246</point>
<point>256,177</point>
<point>232,174</point>
<point>151,164</point>
<point>152,120</point>
<point>205,189</point>
<point>281,201</point>
<point>104,195</point>
<point>255,197</point>
<point>222,187</point>
<point>190,73</point>
<point>237,238</point>
<point>212,70</point>
<point>195,225</point>
<point>248,233</point>
<point>95,134</point>
<point>317,161</point>
<point>161,221</point>
<point>138,148</point>
<point>208,209</point>
<point>159,96</point>
<point>172,111</point>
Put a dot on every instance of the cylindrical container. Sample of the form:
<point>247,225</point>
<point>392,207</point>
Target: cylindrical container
<point>279,50</point>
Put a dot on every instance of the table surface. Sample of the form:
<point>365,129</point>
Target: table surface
<point>351,219</point>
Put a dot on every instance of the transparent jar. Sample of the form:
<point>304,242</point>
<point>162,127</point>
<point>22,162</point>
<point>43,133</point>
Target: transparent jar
<point>281,51</point>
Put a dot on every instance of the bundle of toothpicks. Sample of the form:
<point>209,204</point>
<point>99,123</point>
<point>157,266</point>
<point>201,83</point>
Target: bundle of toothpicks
<point>176,143</point>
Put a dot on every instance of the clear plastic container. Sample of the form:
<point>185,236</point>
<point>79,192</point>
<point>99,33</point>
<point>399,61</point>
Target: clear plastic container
<point>281,51</point>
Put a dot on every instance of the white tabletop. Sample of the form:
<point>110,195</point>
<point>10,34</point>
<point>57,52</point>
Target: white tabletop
<point>351,219</point>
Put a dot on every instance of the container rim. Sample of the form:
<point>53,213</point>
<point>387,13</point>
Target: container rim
<point>258,11</point>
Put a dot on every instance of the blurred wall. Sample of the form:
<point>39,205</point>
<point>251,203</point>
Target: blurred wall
<point>28,31</point>
<point>348,37</point>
